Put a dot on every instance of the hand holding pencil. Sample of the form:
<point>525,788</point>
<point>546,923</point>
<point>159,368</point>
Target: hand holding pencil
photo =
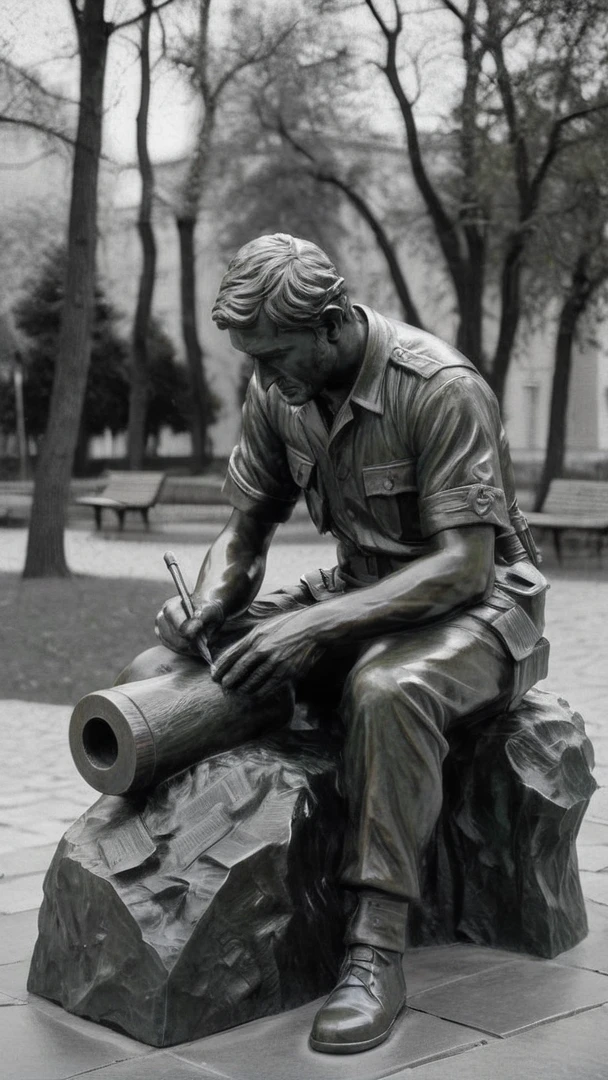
<point>167,629</point>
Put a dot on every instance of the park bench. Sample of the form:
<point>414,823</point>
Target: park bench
<point>581,505</point>
<point>125,491</point>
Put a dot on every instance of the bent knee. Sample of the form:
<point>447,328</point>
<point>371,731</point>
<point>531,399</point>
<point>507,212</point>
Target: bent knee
<point>371,682</point>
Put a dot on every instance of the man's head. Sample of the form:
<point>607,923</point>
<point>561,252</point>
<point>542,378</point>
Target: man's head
<point>285,305</point>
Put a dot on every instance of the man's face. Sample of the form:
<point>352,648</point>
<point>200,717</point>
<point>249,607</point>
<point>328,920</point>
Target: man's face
<point>299,361</point>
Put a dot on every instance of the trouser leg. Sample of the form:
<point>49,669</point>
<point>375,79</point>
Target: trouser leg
<point>397,704</point>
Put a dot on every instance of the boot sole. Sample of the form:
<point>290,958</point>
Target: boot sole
<point>358,1047</point>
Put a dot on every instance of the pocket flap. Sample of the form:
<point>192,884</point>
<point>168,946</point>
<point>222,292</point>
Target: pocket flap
<point>390,479</point>
<point>300,467</point>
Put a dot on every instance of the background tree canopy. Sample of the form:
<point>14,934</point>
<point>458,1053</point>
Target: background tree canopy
<point>106,406</point>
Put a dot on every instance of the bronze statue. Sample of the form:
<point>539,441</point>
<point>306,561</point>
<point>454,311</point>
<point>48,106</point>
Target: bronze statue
<point>433,614</point>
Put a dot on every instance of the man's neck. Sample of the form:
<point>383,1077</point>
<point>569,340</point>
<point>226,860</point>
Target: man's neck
<point>353,343</point>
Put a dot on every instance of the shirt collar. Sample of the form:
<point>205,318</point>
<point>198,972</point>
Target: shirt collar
<point>368,389</point>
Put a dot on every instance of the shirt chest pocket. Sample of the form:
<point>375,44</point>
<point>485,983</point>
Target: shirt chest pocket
<point>302,469</point>
<point>392,497</point>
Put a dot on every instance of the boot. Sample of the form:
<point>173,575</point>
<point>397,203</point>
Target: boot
<point>362,1010</point>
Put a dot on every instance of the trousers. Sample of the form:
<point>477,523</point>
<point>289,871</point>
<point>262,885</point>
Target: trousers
<point>397,696</point>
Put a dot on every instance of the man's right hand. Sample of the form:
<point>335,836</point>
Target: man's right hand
<point>179,634</point>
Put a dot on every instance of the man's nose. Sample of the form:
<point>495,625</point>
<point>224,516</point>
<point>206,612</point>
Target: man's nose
<point>265,375</point>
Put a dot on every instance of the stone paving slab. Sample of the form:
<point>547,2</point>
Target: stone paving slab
<point>276,1048</point>
<point>513,997</point>
<point>595,886</point>
<point>572,1049</point>
<point>37,1047</point>
<point>162,1066</point>
<point>436,965</point>
<point>29,860</point>
<point>592,953</point>
<point>18,935</point>
<point>21,893</point>
<point>598,807</point>
<point>13,979</point>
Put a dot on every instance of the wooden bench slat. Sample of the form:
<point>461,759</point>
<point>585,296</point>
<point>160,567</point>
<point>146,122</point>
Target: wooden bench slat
<point>126,491</point>
<point>573,504</point>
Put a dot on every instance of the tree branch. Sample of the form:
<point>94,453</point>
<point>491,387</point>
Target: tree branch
<point>555,146</point>
<point>455,10</point>
<point>37,127</point>
<point>31,81</point>
<point>516,137</point>
<point>325,176</point>
<point>377,16</point>
<point>136,18</point>
<point>248,61</point>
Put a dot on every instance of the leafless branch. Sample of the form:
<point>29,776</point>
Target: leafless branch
<point>163,35</point>
<point>257,57</point>
<point>137,18</point>
<point>35,126</point>
<point>555,145</point>
<point>386,30</point>
<point>33,83</point>
<point>454,9</point>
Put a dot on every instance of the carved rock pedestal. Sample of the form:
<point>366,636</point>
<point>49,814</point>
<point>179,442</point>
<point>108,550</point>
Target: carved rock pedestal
<point>502,868</point>
<point>212,901</point>
<point>208,903</point>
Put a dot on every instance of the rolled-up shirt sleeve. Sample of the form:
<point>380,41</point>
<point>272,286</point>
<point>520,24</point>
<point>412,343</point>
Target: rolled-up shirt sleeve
<point>457,433</point>
<point>258,480</point>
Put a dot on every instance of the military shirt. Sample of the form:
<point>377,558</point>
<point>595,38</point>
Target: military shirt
<point>418,446</point>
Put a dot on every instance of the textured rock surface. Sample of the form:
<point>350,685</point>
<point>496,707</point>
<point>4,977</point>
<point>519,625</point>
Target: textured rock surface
<point>502,869</point>
<point>204,905</point>
<point>212,901</point>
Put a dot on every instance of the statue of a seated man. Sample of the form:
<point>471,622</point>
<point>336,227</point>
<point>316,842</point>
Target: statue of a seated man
<point>434,613</point>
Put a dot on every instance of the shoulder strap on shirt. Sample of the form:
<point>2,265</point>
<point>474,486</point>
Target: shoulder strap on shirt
<point>426,366</point>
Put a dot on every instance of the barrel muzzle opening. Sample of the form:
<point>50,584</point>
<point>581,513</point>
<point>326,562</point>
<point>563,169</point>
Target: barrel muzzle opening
<point>99,743</point>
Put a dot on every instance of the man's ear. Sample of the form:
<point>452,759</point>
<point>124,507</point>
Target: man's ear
<point>333,321</point>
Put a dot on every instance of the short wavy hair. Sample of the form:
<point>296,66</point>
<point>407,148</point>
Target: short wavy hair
<point>293,281</point>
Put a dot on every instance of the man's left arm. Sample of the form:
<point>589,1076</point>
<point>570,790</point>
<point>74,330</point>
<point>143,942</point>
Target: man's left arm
<point>454,424</point>
<point>455,575</point>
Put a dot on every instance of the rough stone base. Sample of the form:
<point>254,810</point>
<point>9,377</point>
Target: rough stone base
<point>213,900</point>
<point>206,904</point>
<point>502,869</point>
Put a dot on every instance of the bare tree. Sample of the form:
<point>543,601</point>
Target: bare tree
<point>139,350</point>
<point>531,84</point>
<point>45,551</point>
<point>574,240</point>
<point>213,68</point>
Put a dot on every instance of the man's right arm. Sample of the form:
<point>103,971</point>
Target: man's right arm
<point>229,579</point>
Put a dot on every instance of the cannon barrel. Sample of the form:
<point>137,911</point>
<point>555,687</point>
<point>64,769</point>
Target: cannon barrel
<point>130,737</point>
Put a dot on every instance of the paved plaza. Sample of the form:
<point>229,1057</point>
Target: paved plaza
<point>475,1012</point>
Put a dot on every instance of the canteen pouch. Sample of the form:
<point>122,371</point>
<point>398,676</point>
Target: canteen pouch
<point>516,612</point>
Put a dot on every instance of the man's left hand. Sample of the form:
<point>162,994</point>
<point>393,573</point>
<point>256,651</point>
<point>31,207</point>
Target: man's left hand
<point>279,649</point>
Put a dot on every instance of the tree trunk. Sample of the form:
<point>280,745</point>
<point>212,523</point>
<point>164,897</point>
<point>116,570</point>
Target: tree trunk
<point>138,397</point>
<point>469,336</point>
<point>510,312</point>
<point>574,305</point>
<point>200,390</point>
<point>45,550</point>
<point>81,453</point>
<point>408,304</point>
